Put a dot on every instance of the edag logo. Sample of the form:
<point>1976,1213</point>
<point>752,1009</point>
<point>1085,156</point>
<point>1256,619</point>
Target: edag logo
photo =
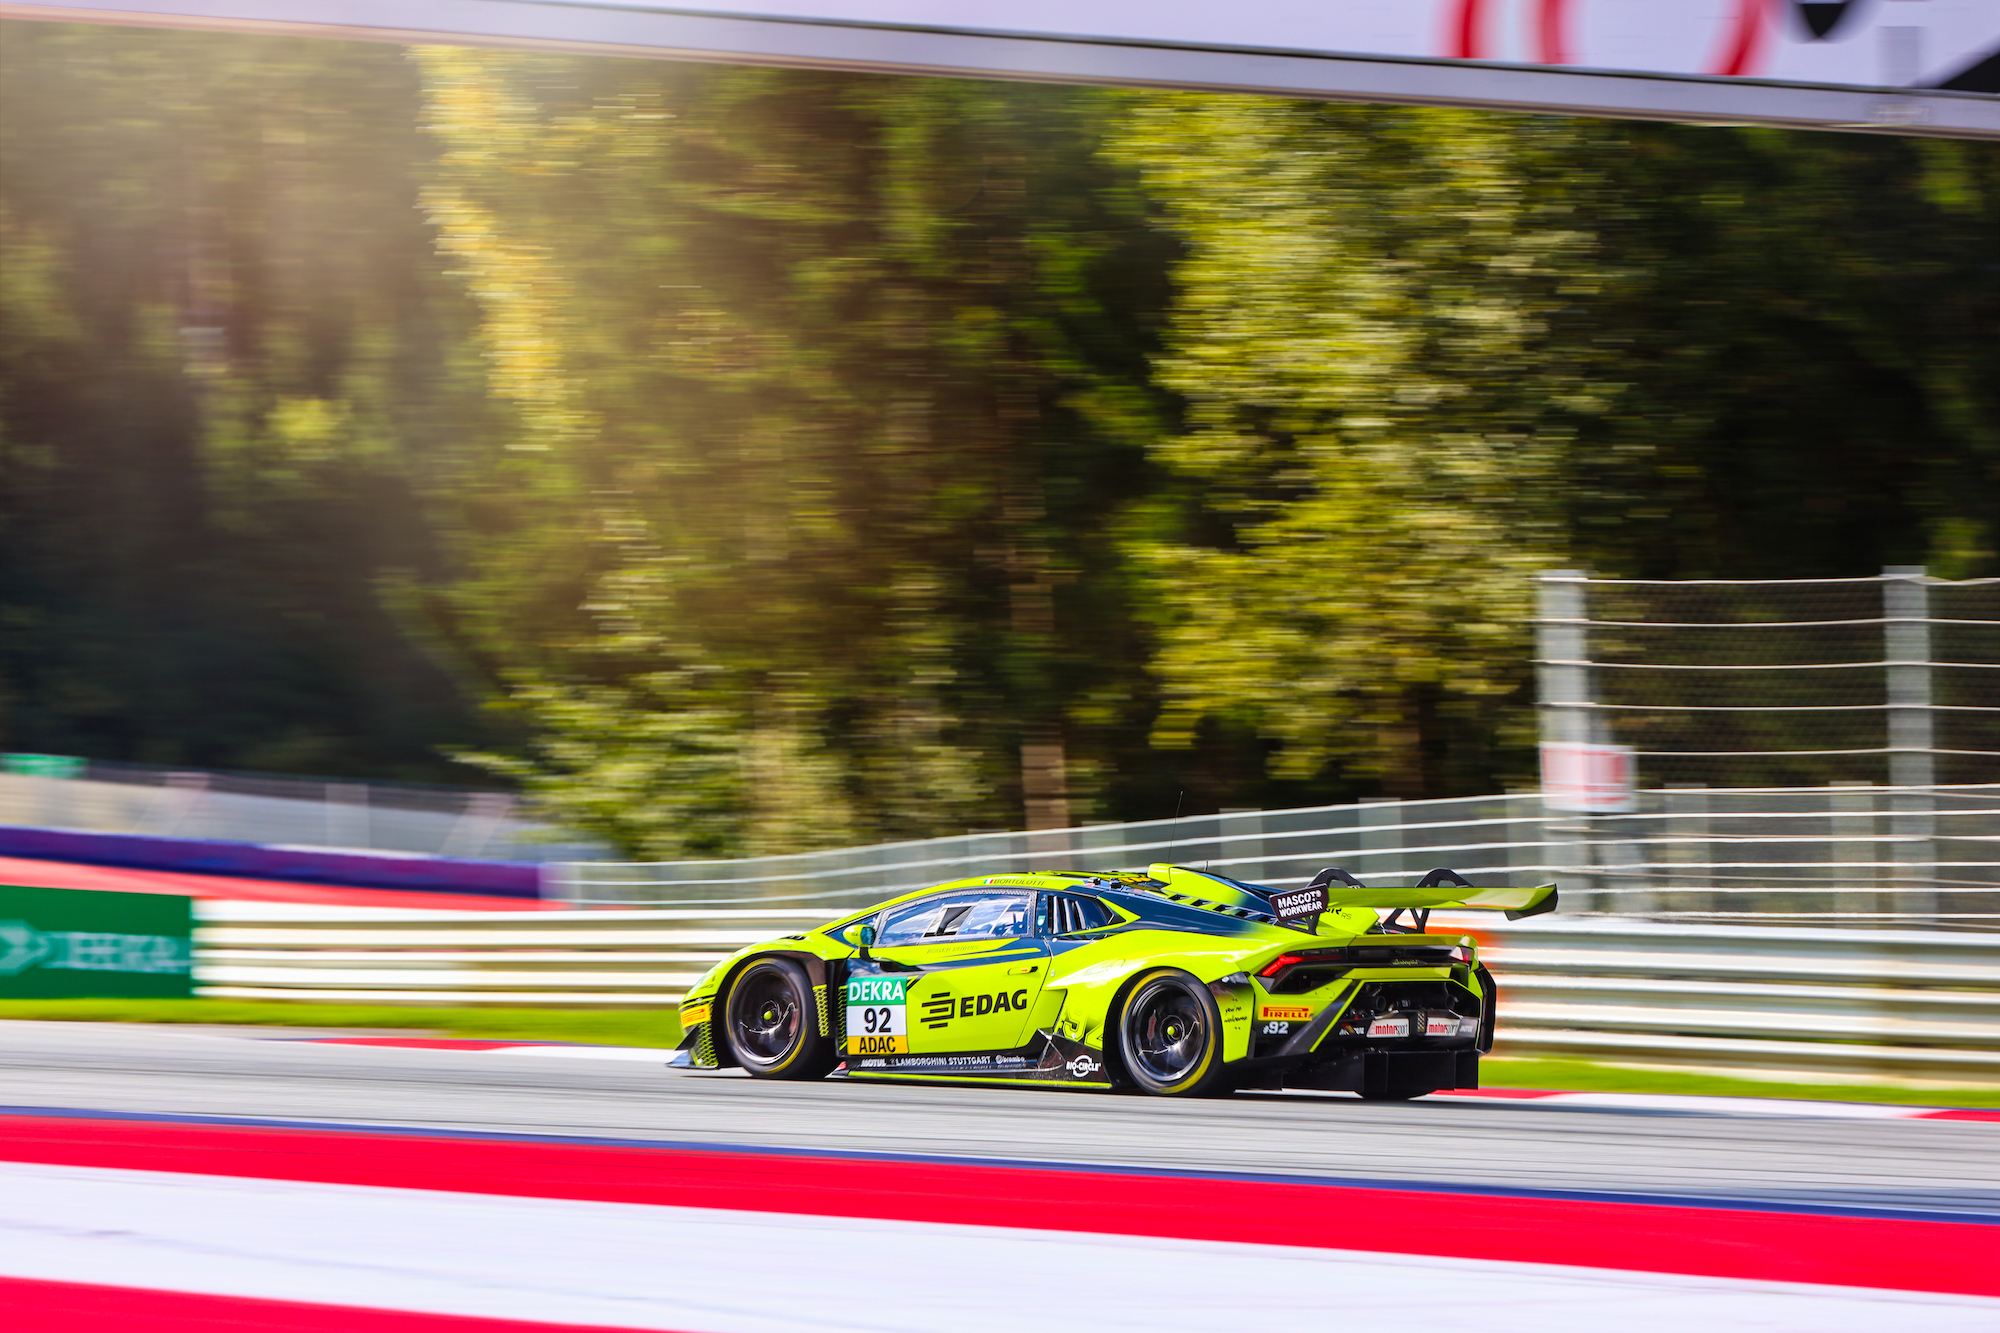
<point>941,1008</point>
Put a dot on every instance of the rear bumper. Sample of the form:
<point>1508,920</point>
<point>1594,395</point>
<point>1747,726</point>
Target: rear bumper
<point>1377,1073</point>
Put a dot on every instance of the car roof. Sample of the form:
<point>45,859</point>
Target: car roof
<point>1181,899</point>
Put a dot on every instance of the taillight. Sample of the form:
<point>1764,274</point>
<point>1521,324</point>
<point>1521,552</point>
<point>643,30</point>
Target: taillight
<point>1279,964</point>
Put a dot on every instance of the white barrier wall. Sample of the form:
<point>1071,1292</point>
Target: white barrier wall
<point>342,816</point>
<point>1902,1004</point>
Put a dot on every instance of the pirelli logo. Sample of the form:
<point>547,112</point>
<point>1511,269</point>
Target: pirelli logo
<point>1285,1013</point>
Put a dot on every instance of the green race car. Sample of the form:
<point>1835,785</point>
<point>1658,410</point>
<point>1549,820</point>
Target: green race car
<point>1176,982</point>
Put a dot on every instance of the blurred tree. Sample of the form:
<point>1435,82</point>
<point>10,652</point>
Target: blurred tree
<point>1426,352</point>
<point>826,392</point>
<point>1809,339</point>
<point>1368,335</point>
<point>802,459</point>
<point>226,374</point>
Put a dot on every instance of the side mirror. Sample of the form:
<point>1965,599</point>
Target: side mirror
<point>859,937</point>
<point>867,940</point>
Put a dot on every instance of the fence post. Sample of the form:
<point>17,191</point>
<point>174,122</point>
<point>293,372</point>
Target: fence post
<point>1562,643</point>
<point>1906,641</point>
<point>1562,647</point>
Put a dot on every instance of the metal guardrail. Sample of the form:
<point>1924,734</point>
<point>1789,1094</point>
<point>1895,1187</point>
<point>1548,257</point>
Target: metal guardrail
<point>1886,1004</point>
<point>285,951</point>
<point>1855,853</point>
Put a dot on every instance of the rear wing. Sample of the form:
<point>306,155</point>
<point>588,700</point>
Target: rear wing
<point>1441,889</point>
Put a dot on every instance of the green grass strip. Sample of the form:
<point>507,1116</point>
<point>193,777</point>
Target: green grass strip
<point>609,1027</point>
<point>1584,1076</point>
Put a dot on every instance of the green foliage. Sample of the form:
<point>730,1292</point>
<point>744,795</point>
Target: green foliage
<point>1807,341</point>
<point>820,406</point>
<point>225,381</point>
<point>1377,425</point>
<point>1427,352</point>
<point>745,461</point>
<point>1584,1076</point>
<point>632,765</point>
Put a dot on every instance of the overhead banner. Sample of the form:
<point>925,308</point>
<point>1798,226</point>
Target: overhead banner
<point>1912,66</point>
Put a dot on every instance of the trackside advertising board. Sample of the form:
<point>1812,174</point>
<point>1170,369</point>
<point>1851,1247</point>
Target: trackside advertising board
<point>74,943</point>
<point>1909,66</point>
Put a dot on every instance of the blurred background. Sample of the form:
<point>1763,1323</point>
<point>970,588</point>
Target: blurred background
<point>757,490</point>
<point>740,461</point>
<point>486,534</point>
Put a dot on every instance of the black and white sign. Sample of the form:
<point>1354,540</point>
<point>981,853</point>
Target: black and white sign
<point>1299,904</point>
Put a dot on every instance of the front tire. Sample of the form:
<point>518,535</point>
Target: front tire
<point>1170,1037</point>
<point>772,1024</point>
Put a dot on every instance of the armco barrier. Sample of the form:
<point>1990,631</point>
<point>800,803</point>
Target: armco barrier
<point>1900,1004</point>
<point>288,951</point>
<point>1895,1004</point>
<point>304,865</point>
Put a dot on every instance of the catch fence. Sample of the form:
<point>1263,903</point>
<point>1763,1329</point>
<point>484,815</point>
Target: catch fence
<point>1891,680</point>
<point>1854,855</point>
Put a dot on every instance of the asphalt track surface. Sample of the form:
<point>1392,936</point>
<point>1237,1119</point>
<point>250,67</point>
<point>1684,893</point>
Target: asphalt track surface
<point>1816,1160</point>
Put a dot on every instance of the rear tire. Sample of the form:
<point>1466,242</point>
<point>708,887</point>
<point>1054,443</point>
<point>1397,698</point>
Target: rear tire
<point>771,1023</point>
<point>1170,1037</point>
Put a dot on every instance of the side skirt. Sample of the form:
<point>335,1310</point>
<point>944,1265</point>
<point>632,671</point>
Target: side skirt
<point>1049,1059</point>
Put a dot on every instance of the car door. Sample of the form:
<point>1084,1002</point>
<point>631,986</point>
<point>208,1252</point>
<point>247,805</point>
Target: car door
<point>955,972</point>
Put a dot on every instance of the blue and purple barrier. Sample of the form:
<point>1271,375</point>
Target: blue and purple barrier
<point>359,870</point>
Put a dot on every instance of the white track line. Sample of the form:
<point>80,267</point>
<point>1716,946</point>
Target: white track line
<point>1640,1101</point>
<point>712,1271</point>
<point>647,1054</point>
<point>1608,1101</point>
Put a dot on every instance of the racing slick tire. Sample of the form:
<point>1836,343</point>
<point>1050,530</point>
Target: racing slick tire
<point>771,1023</point>
<point>1170,1037</point>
